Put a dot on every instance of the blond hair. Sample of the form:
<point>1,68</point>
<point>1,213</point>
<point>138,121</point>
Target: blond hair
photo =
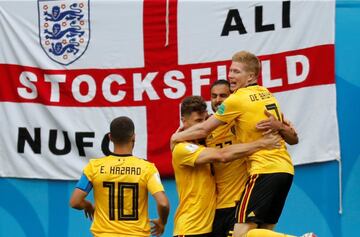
<point>250,61</point>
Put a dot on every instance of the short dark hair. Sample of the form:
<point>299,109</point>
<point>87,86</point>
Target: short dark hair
<point>121,130</point>
<point>220,82</point>
<point>192,104</point>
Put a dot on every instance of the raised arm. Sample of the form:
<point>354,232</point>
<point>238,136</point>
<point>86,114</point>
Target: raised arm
<point>237,151</point>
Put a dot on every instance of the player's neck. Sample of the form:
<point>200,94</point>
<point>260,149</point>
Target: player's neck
<point>252,83</point>
<point>123,149</point>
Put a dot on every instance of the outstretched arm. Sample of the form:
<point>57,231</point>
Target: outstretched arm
<point>197,131</point>
<point>237,151</point>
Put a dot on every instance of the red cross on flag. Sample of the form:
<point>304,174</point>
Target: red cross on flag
<point>68,68</point>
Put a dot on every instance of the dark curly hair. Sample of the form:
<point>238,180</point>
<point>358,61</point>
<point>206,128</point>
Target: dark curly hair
<point>192,104</point>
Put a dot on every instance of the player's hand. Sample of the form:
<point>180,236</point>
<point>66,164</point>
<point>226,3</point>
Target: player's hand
<point>269,125</point>
<point>173,139</point>
<point>89,211</point>
<point>272,141</point>
<point>157,228</point>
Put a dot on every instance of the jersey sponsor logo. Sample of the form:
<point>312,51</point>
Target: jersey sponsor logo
<point>191,147</point>
<point>64,29</point>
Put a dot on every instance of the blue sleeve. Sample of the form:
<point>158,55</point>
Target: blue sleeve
<point>84,184</point>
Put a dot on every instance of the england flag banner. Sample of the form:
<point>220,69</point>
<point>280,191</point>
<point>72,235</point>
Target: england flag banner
<point>68,67</point>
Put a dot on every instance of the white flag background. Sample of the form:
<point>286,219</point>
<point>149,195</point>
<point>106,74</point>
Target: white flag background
<point>68,68</point>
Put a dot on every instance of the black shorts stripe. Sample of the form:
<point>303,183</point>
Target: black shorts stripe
<point>241,215</point>
<point>264,198</point>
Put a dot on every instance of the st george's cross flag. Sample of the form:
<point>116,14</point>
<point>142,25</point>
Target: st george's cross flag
<point>67,68</point>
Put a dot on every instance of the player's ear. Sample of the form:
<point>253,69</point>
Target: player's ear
<point>133,138</point>
<point>109,136</point>
<point>251,77</point>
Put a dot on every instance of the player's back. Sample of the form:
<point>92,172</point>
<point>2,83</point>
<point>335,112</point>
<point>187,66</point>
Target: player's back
<point>121,195</point>
<point>249,104</point>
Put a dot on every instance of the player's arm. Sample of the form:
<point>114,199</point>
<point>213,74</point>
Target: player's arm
<point>163,208</point>
<point>197,131</point>
<point>156,189</point>
<point>289,133</point>
<point>78,198</point>
<point>285,129</point>
<point>237,151</point>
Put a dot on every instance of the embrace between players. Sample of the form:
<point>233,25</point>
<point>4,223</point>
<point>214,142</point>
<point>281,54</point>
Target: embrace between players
<point>232,169</point>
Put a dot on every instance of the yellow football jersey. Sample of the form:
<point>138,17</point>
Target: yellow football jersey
<point>230,178</point>
<point>121,186</point>
<point>246,107</point>
<point>196,190</point>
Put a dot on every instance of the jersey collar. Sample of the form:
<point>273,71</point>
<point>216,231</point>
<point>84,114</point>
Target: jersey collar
<point>121,155</point>
<point>253,84</point>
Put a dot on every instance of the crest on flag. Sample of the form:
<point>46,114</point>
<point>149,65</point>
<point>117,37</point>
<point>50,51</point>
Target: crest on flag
<point>64,29</point>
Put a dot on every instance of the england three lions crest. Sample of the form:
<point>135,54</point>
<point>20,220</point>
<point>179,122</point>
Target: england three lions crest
<point>64,29</point>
